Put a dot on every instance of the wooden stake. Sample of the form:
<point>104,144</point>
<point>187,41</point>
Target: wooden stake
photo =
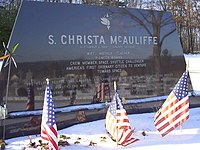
<point>187,66</point>
<point>47,79</point>
<point>115,86</point>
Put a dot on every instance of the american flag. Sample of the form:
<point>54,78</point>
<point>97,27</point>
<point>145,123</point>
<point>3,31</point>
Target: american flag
<point>103,89</point>
<point>31,98</point>
<point>117,122</point>
<point>48,125</point>
<point>175,109</point>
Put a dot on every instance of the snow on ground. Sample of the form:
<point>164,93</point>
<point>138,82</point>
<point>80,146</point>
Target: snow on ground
<point>187,137</point>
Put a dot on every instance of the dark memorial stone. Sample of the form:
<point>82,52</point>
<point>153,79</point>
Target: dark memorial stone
<point>82,49</point>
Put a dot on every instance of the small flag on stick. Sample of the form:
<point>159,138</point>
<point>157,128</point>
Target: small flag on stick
<point>175,109</point>
<point>102,91</point>
<point>31,98</point>
<point>48,125</point>
<point>117,122</point>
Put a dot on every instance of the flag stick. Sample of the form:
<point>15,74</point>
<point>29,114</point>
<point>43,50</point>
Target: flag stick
<point>6,98</point>
<point>115,88</point>
<point>181,128</point>
<point>187,70</point>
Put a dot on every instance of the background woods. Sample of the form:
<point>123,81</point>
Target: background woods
<point>8,12</point>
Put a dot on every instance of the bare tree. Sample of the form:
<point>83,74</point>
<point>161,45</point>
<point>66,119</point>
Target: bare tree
<point>186,14</point>
<point>187,17</point>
